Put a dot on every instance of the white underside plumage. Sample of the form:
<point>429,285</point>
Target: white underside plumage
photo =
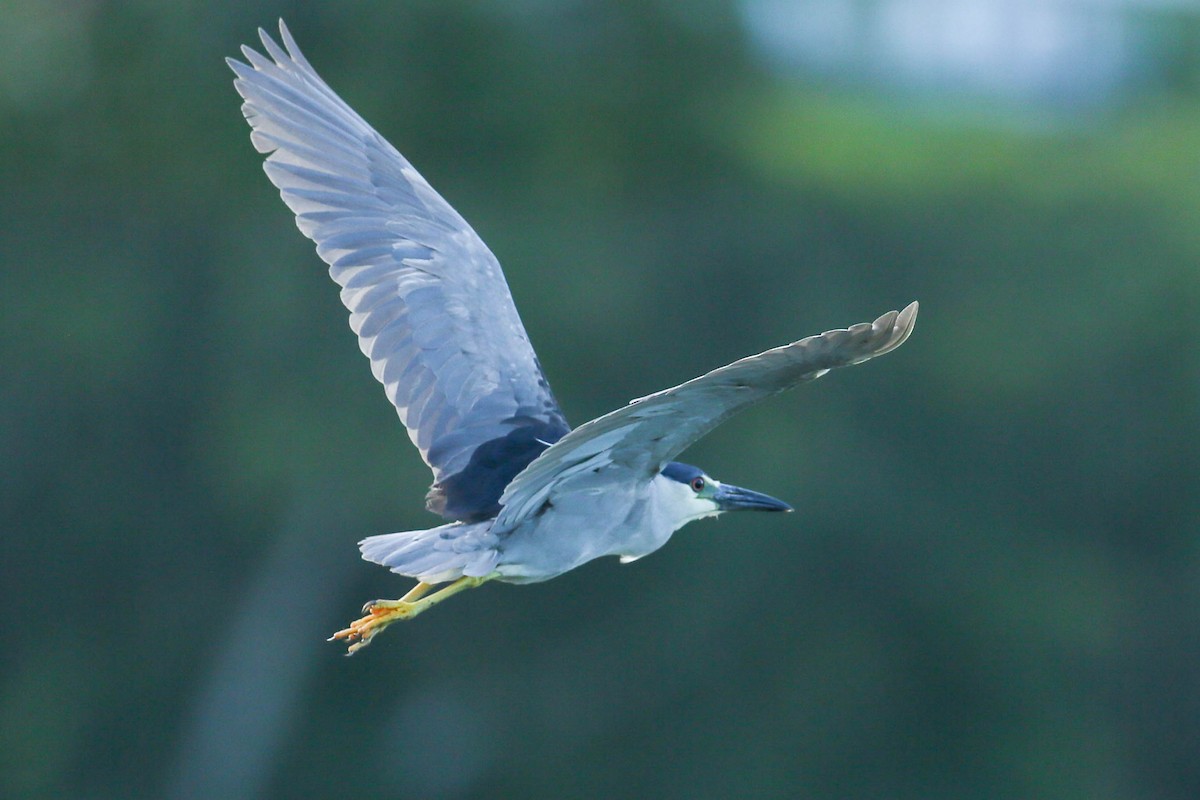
<point>570,531</point>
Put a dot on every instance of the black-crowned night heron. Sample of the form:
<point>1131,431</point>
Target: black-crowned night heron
<point>526,497</point>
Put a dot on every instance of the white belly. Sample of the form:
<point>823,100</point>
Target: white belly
<point>588,519</point>
<point>581,525</point>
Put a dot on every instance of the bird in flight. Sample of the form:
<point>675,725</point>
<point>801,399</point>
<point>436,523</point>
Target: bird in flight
<point>524,497</point>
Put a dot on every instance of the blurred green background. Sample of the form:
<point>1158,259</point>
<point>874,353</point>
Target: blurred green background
<point>991,588</point>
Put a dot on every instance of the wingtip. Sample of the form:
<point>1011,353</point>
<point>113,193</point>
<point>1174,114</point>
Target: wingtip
<point>903,325</point>
<point>896,326</point>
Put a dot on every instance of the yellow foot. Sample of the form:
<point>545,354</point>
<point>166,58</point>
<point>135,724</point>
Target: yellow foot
<point>381,613</point>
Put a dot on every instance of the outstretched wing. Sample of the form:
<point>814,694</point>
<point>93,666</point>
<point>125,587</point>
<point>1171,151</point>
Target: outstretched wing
<point>426,297</point>
<point>644,435</point>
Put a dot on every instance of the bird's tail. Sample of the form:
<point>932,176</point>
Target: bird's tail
<point>436,555</point>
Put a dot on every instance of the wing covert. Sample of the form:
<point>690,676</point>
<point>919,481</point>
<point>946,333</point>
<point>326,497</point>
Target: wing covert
<point>426,297</point>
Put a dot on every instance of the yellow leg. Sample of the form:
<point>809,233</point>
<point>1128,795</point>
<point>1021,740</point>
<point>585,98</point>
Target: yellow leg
<point>416,593</point>
<point>381,613</point>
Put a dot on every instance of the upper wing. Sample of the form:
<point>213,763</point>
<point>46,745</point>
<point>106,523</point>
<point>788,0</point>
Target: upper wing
<point>427,298</point>
<point>644,435</point>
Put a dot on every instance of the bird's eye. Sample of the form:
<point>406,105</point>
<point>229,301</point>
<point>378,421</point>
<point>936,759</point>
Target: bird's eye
<point>697,484</point>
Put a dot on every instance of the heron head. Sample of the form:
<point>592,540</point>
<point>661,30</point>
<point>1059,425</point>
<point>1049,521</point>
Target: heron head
<point>709,496</point>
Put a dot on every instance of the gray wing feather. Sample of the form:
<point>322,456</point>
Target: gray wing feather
<point>649,432</point>
<point>426,297</point>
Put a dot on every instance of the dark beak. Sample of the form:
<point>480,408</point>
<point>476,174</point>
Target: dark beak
<point>735,498</point>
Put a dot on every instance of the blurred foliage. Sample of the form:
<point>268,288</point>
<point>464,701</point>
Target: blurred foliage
<point>992,586</point>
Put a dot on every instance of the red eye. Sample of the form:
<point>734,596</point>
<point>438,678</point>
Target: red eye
<point>697,484</point>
